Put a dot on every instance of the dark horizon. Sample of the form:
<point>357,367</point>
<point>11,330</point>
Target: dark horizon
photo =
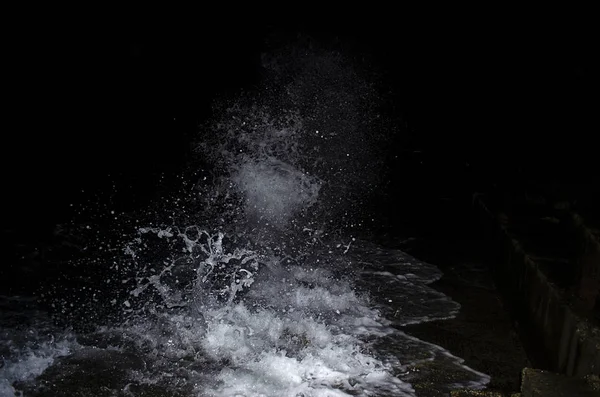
<point>493,106</point>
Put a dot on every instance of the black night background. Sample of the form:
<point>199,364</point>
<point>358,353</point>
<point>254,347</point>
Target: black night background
<point>104,123</point>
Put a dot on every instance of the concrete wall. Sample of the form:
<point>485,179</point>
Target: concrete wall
<point>568,343</point>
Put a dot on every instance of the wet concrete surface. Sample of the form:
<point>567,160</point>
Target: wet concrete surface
<point>538,383</point>
<point>483,333</point>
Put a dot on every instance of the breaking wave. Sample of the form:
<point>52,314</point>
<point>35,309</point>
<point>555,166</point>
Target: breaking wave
<point>256,281</point>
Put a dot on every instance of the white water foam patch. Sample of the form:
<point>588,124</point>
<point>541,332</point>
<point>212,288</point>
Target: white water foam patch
<point>28,348</point>
<point>279,353</point>
<point>295,330</point>
<point>295,318</point>
<point>26,363</point>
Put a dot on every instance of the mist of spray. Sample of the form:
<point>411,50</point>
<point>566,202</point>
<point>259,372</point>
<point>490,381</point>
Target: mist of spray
<point>305,150</point>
